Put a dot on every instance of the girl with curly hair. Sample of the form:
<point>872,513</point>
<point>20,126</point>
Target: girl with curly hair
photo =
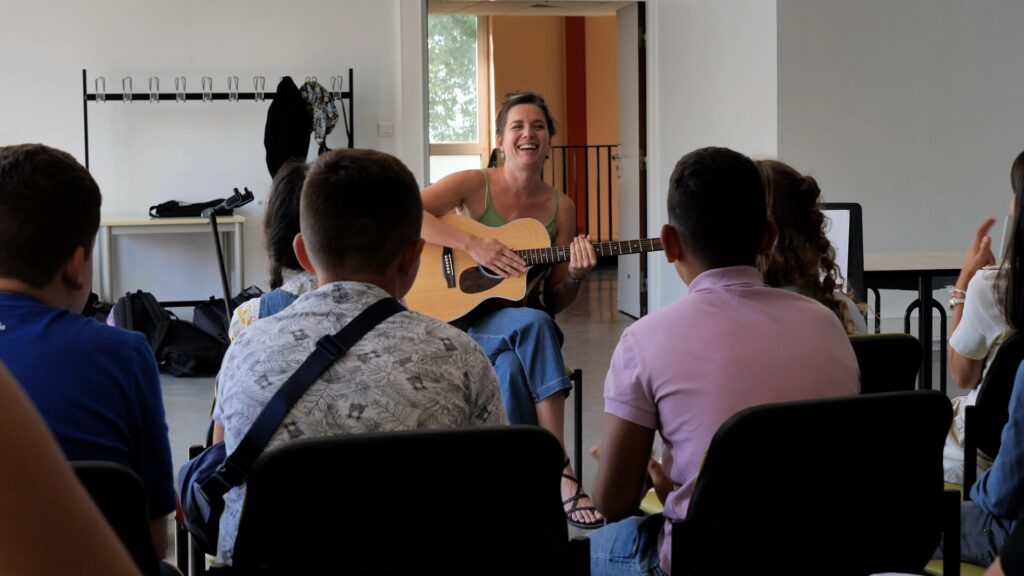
<point>802,259</point>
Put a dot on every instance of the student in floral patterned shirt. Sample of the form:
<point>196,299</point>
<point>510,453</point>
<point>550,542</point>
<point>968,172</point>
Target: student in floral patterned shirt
<point>360,234</point>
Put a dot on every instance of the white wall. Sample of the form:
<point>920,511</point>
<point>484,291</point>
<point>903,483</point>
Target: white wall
<point>911,108</point>
<point>143,153</point>
<point>712,81</point>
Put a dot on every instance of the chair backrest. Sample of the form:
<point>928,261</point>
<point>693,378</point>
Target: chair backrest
<point>839,486</point>
<point>994,395</point>
<point>482,500</point>
<point>119,494</point>
<point>888,362</point>
<point>846,234</point>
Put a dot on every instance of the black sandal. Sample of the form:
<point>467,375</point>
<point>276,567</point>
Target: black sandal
<point>574,508</point>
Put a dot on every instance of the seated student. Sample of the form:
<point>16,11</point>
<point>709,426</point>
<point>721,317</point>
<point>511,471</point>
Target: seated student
<point>729,344</point>
<point>97,387</point>
<point>360,234</point>
<point>802,259</point>
<point>288,280</point>
<point>40,495</point>
<point>987,307</point>
<point>997,498</point>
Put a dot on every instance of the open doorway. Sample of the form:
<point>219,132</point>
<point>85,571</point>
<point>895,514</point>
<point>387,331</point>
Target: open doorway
<point>577,55</point>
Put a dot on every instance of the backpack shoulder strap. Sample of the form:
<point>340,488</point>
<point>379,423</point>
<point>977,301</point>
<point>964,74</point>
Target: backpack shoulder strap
<point>328,349</point>
<point>161,320</point>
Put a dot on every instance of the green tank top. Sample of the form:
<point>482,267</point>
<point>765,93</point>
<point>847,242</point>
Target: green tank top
<point>490,216</point>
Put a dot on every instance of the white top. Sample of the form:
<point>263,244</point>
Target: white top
<point>982,329</point>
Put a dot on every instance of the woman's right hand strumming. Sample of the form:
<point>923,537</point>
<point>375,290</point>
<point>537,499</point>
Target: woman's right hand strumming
<point>497,257</point>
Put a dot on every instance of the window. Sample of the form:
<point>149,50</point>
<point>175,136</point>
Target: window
<point>458,93</point>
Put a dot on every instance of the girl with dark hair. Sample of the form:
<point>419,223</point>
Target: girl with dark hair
<point>523,343</point>
<point>802,259</point>
<point>280,225</point>
<point>986,306</point>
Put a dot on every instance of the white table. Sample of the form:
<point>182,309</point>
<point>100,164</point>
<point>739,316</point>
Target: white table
<point>131,225</point>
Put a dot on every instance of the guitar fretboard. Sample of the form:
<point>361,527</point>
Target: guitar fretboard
<point>562,253</point>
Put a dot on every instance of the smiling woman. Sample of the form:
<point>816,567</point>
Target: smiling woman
<point>523,343</point>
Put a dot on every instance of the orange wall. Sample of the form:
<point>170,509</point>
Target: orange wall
<point>602,75</point>
<point>602,118</point>
<point>528,53</point>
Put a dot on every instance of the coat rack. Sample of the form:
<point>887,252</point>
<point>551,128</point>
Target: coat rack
<point>206,94</point>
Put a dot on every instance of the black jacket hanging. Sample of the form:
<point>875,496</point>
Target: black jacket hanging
<point>288,126</point>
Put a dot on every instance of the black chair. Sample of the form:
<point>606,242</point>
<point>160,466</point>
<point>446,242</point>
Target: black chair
<point>888,362</point>
<point>119,494</point>
<point>846,486</point>
<point>463,501</point>
<point>984,422</point>
<point>576,376</point>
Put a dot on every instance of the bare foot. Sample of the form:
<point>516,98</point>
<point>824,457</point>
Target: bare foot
<point>579,508</point>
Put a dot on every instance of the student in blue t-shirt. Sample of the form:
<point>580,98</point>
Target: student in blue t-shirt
<point>97,387</point>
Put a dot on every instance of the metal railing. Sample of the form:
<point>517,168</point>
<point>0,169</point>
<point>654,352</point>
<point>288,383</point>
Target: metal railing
<point>589,175</point>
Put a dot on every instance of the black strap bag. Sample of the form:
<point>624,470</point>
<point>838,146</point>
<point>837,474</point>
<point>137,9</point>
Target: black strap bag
<point>203,480</point>
<point>175,209</point>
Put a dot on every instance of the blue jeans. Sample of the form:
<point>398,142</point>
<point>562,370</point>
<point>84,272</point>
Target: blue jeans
<point>628,547</point>
<point>981,535</point>
<point>525,347</point>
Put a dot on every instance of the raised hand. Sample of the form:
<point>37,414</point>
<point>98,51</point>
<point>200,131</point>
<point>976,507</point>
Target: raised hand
<point>979,252</point>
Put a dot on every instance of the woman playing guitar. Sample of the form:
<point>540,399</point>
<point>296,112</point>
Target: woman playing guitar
<point>523,343</point>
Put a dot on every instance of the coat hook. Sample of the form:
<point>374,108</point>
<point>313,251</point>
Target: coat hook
<point>207,89</point>
<point>154,89</point>
<point>126,88</point>
<point>232,88</point>
<point>259,86</point>
<point>179,89</point>
<point>101,89</point>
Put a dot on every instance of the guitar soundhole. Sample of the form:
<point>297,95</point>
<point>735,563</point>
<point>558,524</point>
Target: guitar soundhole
<point>474,281</point>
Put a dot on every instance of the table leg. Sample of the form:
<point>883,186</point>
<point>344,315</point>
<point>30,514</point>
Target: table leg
<point>106,288</point>
<point>924,330</point>
<point>237,261</point>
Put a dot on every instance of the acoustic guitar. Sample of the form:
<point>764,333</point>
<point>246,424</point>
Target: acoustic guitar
<point>450,284</point>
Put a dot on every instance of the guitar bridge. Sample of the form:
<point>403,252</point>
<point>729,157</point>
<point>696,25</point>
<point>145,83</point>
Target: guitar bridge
<point>448,266</point>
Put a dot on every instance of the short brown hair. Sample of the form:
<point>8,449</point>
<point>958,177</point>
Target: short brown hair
<point>360,209</point>
<point>513,99</point>
<point>49,207</point>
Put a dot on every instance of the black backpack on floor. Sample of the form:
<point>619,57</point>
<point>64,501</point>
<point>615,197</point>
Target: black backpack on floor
<point>180,347</point>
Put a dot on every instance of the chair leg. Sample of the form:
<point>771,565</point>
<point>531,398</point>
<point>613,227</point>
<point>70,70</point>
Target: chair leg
<point>579,556</point>
<point>181,547</point>
<point>951,533</point>
<point>577,421</point>
<point>970,450</point>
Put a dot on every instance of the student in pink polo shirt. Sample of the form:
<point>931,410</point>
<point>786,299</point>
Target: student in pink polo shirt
<point>732,342</point>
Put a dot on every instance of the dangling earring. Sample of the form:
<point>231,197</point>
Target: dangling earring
<point>501,154</point>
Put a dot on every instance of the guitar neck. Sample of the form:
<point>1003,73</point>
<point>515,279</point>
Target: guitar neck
<point>557,254</point>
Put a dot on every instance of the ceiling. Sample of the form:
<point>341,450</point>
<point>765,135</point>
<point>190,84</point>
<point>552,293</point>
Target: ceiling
<point>525,7</point>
